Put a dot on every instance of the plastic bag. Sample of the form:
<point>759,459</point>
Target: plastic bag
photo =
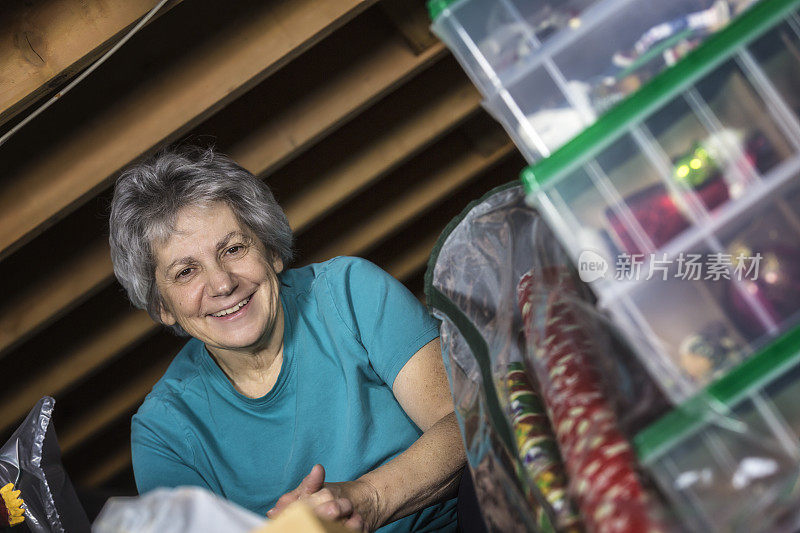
<point>178,510</point>
<point>505,502</point>
<point>479,314</point>
<point>31,461</point>
<point>471,284</point>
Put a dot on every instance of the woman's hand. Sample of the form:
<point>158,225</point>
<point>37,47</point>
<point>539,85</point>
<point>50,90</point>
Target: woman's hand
<point>354,503</point>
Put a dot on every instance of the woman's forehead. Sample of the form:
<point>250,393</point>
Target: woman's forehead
<point>199,228</point>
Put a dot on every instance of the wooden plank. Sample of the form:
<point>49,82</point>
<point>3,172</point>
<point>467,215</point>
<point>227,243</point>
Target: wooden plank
<point>391,146</point>
<point>162,109</point>
<point>292,129</point>
<point>106,469</point>
<point>44,43</point>
<point>76,364</point>
<point>411,203</point>
<point>95,417</point>
<point>413,21</point>
<point>411,261</point>
<point>46,300</point>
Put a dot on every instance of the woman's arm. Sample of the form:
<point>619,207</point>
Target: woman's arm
<point>430,469</point>
<point>427,472</point>
<point>156,464</point>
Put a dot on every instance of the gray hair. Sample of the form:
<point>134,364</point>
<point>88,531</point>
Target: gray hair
<point>148,196</point>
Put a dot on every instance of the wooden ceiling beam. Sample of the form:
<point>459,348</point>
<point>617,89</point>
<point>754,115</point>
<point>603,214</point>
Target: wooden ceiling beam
<point>42,44</point>
<point>78,363</point>
<point>412,202</point>
<point>411,19</point>
<point>105,469</point>
<point>291,130</point>
<point>391,146</point>
<point>409,263</point>
<point>66,286</point>
<point>130,395</point>
<point>162,110</point>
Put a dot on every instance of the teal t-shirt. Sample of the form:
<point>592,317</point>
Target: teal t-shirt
<point>349,329</point>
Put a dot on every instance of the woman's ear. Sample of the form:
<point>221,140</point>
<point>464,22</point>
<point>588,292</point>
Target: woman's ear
<point>167,318</point>
<point>277,263</point>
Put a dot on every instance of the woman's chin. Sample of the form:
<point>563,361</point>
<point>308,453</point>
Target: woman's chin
<point>240,341</point>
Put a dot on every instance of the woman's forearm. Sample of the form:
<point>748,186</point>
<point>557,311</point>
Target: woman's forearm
<point>427,472</point>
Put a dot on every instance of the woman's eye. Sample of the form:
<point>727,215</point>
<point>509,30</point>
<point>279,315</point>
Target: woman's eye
<point>234,249</point>
<point>183,273</point>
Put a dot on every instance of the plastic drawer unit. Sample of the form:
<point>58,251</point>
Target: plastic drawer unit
<point>549,68</point>
<point>729,458</point>
<point>682,205</point>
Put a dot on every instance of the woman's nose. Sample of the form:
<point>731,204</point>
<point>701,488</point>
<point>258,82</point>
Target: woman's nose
<point>220,281</point>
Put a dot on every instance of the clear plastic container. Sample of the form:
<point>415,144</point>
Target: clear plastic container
<point>682,205</point>
<point>729,458</point>
<point>549,68</point>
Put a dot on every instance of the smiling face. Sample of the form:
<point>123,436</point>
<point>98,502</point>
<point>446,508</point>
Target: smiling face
<point>218,282</point>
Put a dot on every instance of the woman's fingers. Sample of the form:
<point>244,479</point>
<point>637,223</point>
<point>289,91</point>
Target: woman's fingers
<point>335,509</point>
<point>310,485</point>
<point>313,482</point>
<point>282,503</point>
<point>355,522</point>
<point>319,497</point>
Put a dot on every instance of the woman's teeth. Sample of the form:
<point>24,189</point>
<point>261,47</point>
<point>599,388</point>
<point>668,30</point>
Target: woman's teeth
<point>232,309</point>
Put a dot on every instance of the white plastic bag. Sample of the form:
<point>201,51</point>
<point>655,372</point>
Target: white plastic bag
<point>178,510</point>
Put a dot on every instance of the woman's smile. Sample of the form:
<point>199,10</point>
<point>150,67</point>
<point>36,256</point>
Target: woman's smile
<point>233,311</point>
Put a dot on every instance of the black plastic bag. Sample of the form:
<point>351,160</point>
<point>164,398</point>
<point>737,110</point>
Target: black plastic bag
<point>31,460</point>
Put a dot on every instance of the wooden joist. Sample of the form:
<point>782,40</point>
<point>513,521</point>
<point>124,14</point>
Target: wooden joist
<point>292,129</point>
<point>162,109</point>
<point>44,43</point>
<point>106,469</point>
<point>65,287</point>
<point>412,19</point>
<point>411,203</point>
<point>124,400</point>
<point>411,261</point>
<point>97,349</point>
<point>393,144</point>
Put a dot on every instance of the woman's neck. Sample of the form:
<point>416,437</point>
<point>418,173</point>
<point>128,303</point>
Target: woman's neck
<point>254,372</point>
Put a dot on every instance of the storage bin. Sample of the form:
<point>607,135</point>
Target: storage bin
<point>682,205</point>
<point>729,458</point>
<point>549,68</point>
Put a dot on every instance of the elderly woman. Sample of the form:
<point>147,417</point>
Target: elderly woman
<point>333,364</point>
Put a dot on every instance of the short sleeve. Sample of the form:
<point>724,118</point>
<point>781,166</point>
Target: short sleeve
<point>159,451</point>
<point>385,317</point>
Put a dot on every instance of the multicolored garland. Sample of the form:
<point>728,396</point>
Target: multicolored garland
<point>537,447</point>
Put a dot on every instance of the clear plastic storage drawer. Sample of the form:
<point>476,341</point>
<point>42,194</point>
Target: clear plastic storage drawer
<point>682,206</point>
<point>729,458</point>
<point>549,68</point>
